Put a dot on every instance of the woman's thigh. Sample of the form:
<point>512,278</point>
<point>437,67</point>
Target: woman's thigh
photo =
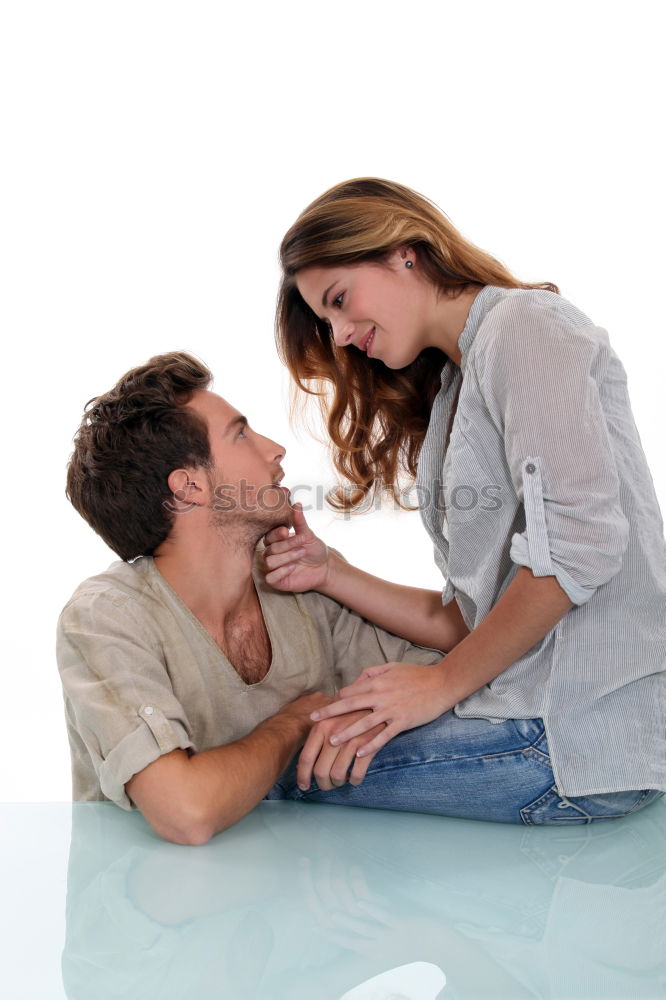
<point>473,769</point>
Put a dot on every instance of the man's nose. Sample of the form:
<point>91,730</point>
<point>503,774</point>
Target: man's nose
<point>343,333</point>
<point>276,451</point>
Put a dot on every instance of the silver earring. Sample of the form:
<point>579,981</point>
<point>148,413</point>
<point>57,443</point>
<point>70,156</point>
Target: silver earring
<point>409,263</point>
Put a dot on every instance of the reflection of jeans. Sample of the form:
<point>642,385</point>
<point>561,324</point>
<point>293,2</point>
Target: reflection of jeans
<point>473,769</point>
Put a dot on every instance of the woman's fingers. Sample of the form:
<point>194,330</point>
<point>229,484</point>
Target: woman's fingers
<point>357,729</point>
<point>342,707</point>
<point>298,516</point>
<point>276,535</point>
<point>359,685</point>
<point>370,749</point>
<point>280,539</point>
<point>283,556</point>
<point>361,764</point>
<point>278,547</point>
<point>283,545</point>
<point>277,575</point>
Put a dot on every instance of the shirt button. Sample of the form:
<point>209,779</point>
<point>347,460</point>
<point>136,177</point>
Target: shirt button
<point>148,710</point>
<point>530,467</point>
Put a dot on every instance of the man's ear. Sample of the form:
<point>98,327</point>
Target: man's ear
<point>188,489</point>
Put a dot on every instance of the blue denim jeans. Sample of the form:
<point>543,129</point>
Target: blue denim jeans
<point>472,769</point>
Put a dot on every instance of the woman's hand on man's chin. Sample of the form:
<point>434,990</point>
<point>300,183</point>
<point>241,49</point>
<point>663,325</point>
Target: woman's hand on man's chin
<point>296,562</point>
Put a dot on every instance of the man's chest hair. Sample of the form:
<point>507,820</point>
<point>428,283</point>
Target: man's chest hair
<point>246,645</point>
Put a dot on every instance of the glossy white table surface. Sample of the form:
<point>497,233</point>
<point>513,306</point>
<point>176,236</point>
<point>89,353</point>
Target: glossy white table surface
<point>324,902</point>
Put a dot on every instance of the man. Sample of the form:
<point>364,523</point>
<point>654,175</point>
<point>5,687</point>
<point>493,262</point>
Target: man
<point>188,682</point>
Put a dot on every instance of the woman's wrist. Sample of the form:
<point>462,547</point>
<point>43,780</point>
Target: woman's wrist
<point>456,679</point>
<point>333,581</point>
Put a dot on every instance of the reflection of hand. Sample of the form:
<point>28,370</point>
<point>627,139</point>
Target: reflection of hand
<point>295,562</point>
<point>340,902</point>
<point>399,695</point>
<point>395,928</point>
<point>353,916</point>
<point>330,764</point>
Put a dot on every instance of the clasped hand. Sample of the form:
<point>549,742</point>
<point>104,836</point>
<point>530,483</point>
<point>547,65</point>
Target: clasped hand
<point>383,701</point>
<point>329,759</point>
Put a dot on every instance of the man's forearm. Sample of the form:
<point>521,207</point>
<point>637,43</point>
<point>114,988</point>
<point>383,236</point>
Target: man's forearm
<point>414,613</point>
<point>229,781</point>
<point>189,799</point>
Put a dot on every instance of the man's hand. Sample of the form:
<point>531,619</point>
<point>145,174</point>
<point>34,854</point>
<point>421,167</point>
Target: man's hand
<point>330,764</point>
<point>295,562</point>
<point>301,709</point>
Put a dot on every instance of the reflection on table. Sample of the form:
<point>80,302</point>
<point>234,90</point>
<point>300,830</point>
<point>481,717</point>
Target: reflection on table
<point>306,901</point>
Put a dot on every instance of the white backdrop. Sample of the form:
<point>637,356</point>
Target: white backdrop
<point>154,155</point>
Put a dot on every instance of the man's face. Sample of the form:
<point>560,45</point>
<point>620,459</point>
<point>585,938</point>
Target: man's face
<point>246,470</point>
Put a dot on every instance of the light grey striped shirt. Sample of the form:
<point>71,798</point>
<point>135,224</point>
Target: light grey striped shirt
<point>545,469</point>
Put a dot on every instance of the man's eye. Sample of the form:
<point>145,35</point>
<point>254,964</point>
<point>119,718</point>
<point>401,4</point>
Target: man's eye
<point>242,433</point>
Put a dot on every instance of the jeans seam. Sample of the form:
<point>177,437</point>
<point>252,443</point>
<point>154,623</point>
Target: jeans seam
<point>531,751</point>
<point>539,756</point>
<point>439,760</point>
<point>386,769</point>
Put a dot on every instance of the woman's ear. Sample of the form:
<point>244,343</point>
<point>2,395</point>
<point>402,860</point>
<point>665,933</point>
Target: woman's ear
<point>402,256</point>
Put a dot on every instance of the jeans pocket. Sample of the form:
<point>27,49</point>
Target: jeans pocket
<point>560,810</point>
<point>533,731</point>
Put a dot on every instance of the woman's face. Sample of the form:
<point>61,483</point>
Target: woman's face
<point>381,309</point>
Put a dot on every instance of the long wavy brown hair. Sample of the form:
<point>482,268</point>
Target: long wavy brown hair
<point>376,417</point>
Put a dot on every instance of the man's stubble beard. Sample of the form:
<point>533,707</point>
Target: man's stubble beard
<point>242,530</point>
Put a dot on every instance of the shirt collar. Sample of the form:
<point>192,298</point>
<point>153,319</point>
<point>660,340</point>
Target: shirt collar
<point>481,305</point>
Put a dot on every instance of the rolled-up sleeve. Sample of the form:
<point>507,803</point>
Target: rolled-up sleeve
<point>542,379</point>
<point>118,693</point>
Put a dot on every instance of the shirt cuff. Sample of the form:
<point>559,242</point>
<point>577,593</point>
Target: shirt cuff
<point>155,736</point>
<point>532,548</point>
<point>520,554</point>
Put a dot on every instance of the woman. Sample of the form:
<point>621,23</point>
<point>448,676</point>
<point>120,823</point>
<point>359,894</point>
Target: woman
<point>511,410</point>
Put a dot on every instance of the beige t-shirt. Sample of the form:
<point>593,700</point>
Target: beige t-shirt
<point>141,676</point>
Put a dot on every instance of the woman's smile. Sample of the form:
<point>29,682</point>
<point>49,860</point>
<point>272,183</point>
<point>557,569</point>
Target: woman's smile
<point>367,341</point>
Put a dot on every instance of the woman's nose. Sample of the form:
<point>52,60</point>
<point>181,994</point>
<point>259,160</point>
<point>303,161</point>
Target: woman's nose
<point>343,333</point>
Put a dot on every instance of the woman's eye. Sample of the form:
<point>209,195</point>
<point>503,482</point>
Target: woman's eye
<point>337,301</point>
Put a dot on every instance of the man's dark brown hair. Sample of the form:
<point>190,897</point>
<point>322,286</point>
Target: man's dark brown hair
<point>129,440</point>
